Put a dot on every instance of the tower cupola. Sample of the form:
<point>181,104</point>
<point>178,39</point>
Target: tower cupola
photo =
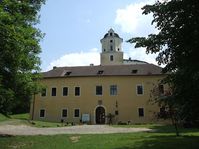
<point>111,49</point>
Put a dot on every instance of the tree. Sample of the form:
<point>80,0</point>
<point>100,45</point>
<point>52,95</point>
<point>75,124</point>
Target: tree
<point>177,45</point>
<point>19,49</point>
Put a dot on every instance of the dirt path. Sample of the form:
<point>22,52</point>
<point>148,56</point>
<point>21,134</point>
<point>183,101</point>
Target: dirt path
<point>82,129</point>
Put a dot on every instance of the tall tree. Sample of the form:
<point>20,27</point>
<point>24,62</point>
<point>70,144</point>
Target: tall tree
<point>19,49</point>
<point>177,43</point>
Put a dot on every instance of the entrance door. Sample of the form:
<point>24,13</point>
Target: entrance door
<point>100,115</point>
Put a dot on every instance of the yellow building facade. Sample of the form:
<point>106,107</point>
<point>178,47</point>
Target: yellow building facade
<point>90,94</point>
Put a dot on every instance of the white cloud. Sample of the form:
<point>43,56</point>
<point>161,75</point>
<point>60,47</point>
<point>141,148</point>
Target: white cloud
<point>140,54</point>
<point>131,20</point>
<point>77,59</point>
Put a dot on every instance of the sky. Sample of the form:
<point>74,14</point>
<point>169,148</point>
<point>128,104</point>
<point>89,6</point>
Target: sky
<point>73,29</point>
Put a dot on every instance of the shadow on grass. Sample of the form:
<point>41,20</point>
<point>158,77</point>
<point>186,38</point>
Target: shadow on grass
<point>171,129</point>
<point>165,142</point>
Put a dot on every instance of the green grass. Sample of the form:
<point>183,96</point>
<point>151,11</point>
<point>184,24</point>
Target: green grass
<point>24,116</point>
<point>151,140</point>
<point>163,137</point>
<point>3,118</point>
<point>46,124</point>
<point>23,119</point>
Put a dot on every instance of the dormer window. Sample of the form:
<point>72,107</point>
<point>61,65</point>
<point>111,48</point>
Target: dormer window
<point>134,71</point>
<point>67,73</point>
<point>100,72</point>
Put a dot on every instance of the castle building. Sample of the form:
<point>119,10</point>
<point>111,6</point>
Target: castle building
<point>116,88</point>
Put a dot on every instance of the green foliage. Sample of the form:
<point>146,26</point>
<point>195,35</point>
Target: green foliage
<point>19,49</point>
<point>177,44</point>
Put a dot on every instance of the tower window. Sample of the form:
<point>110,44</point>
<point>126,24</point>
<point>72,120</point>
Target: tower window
<point>104,50</point>
<point>118,49</point>
<point>111,48</point>
<point>111,40</point>
<point>111,58</point>
<point>111,34</point>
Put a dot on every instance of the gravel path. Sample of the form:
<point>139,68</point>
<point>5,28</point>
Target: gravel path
<point>81,129</point>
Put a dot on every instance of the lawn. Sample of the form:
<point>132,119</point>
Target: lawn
<point>104,141</point>
<point>23,119</point>
<point>163,137</point>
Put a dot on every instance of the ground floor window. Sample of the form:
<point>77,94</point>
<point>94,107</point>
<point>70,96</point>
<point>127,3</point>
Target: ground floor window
<point>76,113</point>
<point>141,112</point>
<point>64,113</point>
<point>42,113</point>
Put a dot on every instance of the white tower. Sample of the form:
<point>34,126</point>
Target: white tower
<point>111,49</point>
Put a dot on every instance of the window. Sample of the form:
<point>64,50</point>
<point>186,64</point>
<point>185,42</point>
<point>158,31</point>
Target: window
<point>53,93</point>
<point>134,71</point>
<point>161,89</point>
<point>77,91</point>
<point>98,90</point>
<point>42,113</point>
<point>65,91</point>
<point>76,113</point>
<point>141,112</point>
<point>111,40</point>
<point>116,112</point>
<point>100,72</point>
<point>139,90</point>
<point>43,92</point>
<point>111,48</point>
<point>111,34</point>
<point>64,113</point>
<point>113,90</point>
<point>111,58</point>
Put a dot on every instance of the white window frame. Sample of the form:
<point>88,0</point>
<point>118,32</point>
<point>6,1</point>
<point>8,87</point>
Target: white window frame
<point>116,90</point>
<point>51,91</point>
<point>79,91</point>
<point>62,112</point>
<point>74,112</point>
<point>62,91</point>
<point>45,95</point>
<point>96,90</point>
<point>137,89</point>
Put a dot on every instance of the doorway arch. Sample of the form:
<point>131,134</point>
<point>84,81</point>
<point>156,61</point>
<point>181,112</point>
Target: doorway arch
<point>100,115</point>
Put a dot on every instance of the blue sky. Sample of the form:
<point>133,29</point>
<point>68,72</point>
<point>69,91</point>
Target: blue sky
<point>74,28</point>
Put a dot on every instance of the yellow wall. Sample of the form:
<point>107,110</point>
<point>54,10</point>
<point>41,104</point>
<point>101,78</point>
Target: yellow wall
<point>127,99</point>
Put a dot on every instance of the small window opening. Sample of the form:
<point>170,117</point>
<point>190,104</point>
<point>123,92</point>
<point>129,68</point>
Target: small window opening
<point>67,73</point>
<point>100,72</point>
<point>111,58</point>
<point>134,71</point>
